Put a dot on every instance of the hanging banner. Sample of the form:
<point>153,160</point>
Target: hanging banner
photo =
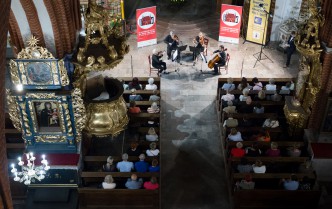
<point>230,23</point>
<point>146,26</point>
<point>257,23</point>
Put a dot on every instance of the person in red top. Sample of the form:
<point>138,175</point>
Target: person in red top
<point>152,184</point>
<point>133,108</point>
<point>238,151</point>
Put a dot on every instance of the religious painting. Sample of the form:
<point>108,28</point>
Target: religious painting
<point>47,115</point>
<point>39,72</point>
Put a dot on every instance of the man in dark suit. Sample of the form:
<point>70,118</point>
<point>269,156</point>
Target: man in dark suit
<point>169,41</point>
<point>222,54</point>
<point>157,63</point>
<point>291,48</point>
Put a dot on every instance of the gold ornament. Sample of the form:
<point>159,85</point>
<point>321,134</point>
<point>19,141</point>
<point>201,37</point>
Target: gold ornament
<point>13,110</point>
<point>79,112</point>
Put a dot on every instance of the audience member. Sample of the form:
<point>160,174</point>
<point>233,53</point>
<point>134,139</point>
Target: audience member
<point>271,86</point>
<point>271,123</point>
<point>273,151</point>
<point>154,166</point>
<point>262,136</point>
<point>134,96</point>
<point>291,184</point>
<point>133,150</point>
<point>244,96</point>
<point>238,151</point>
<point>253,150</point>
<point>154,108</point>
<point>108,182</point>
<point>246,183</point>
<point>133,183</point>
<point>134,84</point>
<point>261,96</point>
<point>133,108</point>
<point>125,165</point>
<point>109,166</point>
<point>125,86</point>
<point>305,184</point>
<point>259,109</point>
<point>227,97</point>
<point>229,85</point>
<point>244,166</point>
<point>276,97</point>
<point>230,122</point>
<point>151,123</point>
<point>257,84</point>
<point>235,135</point>
<point>155,96</point>
<point>288,86</point>
<point>152,135</point>
<point>141,165</point>
<point>230,108</point>
<point>151,85</point>
<point>258,167</point>
<point>245,122</point>
<point>294,151</point>
<point>246,107</point>
<point>153,151</point>
<point>244,84</point>
<point>152,184</point>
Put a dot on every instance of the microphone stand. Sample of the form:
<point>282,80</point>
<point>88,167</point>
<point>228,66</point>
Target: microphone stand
<point>259,54</point>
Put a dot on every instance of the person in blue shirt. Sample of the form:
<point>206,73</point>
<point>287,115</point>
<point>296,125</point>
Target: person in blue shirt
<point>292,183</point>
<point>154,167</point>
<point>141,165</point>
<point>125,165</point>
<point>133,183</point>
<point>229,85</point>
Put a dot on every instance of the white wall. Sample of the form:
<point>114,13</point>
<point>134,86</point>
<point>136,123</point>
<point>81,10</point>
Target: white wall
<point>284,9</point>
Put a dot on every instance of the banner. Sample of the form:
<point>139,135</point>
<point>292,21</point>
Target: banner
<point>257,22</point>
<point>146,26</point>
<point>230,23</point>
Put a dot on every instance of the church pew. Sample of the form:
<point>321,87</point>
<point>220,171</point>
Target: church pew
<point>144,115</point>
<point>239,176</point>
<point>144,103</point>
<point>255,129</point>
<point>118,198</point>
<point>271,159</point>
<point>141,92</point>
<point>267,104</point>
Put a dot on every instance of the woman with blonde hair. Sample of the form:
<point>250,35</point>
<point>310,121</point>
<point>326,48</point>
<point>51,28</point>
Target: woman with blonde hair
<point>152,135</point>
<point>154,108</point>
<point>245,95</point>
<point>108,182</point>
<point>109,166</point>
<point>153,151</point>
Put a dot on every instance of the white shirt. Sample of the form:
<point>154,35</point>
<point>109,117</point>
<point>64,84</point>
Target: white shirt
<point>151,138</point>
<point>108,185</point>
<point>125,166</point>
<point>228,97</point>
<point>236,138</point>
<point>243,98</point>
<point>261,169</point>
<point>151,87</point>
<point>271,123</point>
<point>152,153</point>
<point>258,86</point>
<point>271,87</point>
<point>228,86</point>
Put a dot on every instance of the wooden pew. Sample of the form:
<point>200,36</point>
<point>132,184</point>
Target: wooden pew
<point>256,129</point>
<point>239,176</point>
<point>271,159</point>
<point>90,174</point>
<point>231,144</point>
<point>118,198</point>
<point>115,158</point>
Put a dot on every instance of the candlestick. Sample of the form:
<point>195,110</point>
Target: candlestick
<point>122,10</point>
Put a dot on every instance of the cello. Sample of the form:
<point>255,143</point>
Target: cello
<point>213,61</point>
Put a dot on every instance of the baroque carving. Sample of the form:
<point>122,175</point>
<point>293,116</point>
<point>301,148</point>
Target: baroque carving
<point>13,110</point>
<point>79,112</point>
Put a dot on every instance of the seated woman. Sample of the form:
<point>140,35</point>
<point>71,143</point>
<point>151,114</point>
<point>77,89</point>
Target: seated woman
<point>288,86</point>
<point>229,85</point>
<point>294,151</point>
<point>151,85</point>
<point>235,135</point>
<point>154,108</point>
<point>246,183</point>
<point>133,150</point>
<point>238,151</point>
<point>154,166</point>
<point>152,184</point>
<point>244,166</point>
<point>273,151</point>
<point>258,109</point>
<point>133,108</point>
<point>257,84</point>
<point>108,182</point>
<point>134,84</point>
<point>230,122</point>
<point>151,136</point>
<point>155,96</point>
<point>109,166</point>
<point>134,96</point>
<point>227,97</point>
<point>271,86</point>
<point>261,96</point>
<point>258,167</point>
<point>244,85</point>
<point>271,123</point>
<point>153,151</point>
<point>244,96</point>
<point>230,108</point>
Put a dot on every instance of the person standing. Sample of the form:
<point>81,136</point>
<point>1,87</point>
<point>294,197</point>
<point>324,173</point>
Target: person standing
<point>291,48</point>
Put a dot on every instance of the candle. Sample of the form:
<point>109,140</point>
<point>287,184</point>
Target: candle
<point>13,166</point>
<point>28,156</point>
<point>122,10</point>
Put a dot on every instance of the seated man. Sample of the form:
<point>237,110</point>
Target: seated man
<point>141,165</point>
<point>133,150</point>
<point>231,122</point>
<point>271,86</point>
<point>125,165</point>
<point>134,96</point>
<point>230,108</point>
<point>155,96</point>
<point>133,108</point>
<point>229,85</point>
<point>133,183</point>
<point>157,63</point>
<point>222,54</point>
<point>291,184</point>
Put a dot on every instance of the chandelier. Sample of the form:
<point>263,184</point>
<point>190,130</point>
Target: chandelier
<point>28,172</point>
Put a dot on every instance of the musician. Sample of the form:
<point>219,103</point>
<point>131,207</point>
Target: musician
<point>203,42</point>
<point>222,54</point>
<point>198,49</point>
<point>169,40</point>
<point>157,63</point>
<point>291,48</point>
<point>174,46</point>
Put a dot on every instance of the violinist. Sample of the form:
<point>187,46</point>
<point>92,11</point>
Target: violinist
<point>222,61</point>
<point>174,47</point>
<point>169,40</point>
<point>157,63</point>
<point>203,42</point>
<point>198,49</point>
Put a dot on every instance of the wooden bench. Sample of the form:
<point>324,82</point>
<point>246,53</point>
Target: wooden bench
<point>118,198</point>
<point>90,174</point>
<point>271,159</point>
<point>144,115</point>
<point>115,158</point>
<point>239,176</point>
<point>255,129</point>
<point>231,144</point>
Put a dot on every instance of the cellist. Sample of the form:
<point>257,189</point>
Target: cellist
<point>222,61</point>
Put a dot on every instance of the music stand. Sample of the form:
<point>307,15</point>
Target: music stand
<point>259,54</point>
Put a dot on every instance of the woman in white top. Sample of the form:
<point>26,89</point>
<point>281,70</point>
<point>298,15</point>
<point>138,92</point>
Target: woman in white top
<point>271,86</point>
<point>151,85</point>
<point>108,182</point>
<point>153,151</point>
<point>271,123</point>
<point>151,136</point>
<point>154,108</point>
<point>245,95</point>
<point>235,135</point>
<point>258,167</point>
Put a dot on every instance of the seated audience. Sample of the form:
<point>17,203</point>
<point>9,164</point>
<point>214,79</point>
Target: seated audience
<point>294,151</point>
<point>305,184</point>
<point>258,167</point>
<point>151,123</point>
<point>152,135</point>
<point>244,85</point>
<point>141,165</point>
<point>154,166</point>
<point>273,151</point>
<point>244,96</point>
<point>230,122</point>
<point>227,97</point>
<point>244,166</point>
<point>125,165</point>
<point>229,85</point>
<point>155,96</point>
<point>154,108</point>
<point>133,183</point>
<point>125,86</point>
<point>257,85</point>
<point>238,151</point>
<point>276,97</point>
<point>108,182</point>
<point>109,166</point>
<point>134,96</point>
<point>288,86</point>
<point>260,96</point>
<point>133,108</point>
<point>271,86</point>
<point>151,85</point>
<point>246,183</point>
<point>246,107</point>
<point>291,184</point>
<point>152,184</point>
<point>271,123</point>
<point>230,108</point>
<point>235,135</point>
<point>153,151</point>
<point>245,122</point>
<point>253,150</point>
<point>259,109</point>
<point>263,136</point>
<point>133,150</point>
<point>134,84</point>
